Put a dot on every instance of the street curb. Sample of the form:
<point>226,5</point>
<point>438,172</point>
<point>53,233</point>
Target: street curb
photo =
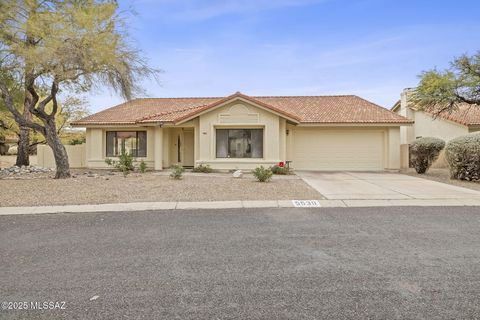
<point>149,206</point>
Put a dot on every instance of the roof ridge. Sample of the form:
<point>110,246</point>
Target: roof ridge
<point>178,98</point>
<point>308,96</point>
<point>253,96</point>
<point>376,105</point>
<point>169,112</point>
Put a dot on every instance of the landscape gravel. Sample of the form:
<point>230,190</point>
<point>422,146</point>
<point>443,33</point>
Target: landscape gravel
<point>96,187</point>
<point>443,175</point>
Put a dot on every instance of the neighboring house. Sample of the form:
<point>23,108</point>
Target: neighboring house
<point>445,126</point>
<point>239,131</point>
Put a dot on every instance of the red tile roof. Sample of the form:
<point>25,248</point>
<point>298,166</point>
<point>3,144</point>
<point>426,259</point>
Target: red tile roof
<point>303,109</point>
<point>465,114</point>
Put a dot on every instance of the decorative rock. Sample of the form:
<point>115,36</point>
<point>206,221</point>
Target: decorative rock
<point>238,174</point>
<point>24,170</point>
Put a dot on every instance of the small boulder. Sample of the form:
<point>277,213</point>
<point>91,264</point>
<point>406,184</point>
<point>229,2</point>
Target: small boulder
<point>238,174</point>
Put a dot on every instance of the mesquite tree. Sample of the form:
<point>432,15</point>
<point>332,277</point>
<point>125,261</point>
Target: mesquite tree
<point>70,45</point>
<point>10,126</point>
<point>443,91</point>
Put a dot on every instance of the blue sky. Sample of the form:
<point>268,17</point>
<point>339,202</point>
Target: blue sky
<point>371,48</point>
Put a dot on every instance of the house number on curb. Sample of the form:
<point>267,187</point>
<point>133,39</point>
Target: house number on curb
<point>306,203</point>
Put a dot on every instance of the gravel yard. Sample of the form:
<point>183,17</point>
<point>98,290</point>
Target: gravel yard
<point>443,175</point>
<point>105,188</point>
<point>7,161</point>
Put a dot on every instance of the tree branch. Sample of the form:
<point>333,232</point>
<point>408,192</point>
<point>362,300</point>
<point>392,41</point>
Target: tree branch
<point>7,98</point>
<point>466,100</point>
<point>54,98</point>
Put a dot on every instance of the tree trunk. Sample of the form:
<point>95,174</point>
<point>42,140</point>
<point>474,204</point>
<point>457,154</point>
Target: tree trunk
<point>23,152</point>
<point>23,157</point>
<point>59,152</point>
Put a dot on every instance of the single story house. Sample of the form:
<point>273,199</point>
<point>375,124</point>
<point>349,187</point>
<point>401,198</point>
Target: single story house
<point>446,126</point>
<point>243,132</point>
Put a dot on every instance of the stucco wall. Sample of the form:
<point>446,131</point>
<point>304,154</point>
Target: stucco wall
<point>379,149</point>
<point>239,115</point>
<point>96,146</point>
<point>427,126</point>
<point>407,133</point>
<point>76,156</point>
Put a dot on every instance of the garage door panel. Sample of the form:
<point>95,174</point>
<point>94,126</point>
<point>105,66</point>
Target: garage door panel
<point>338,150</point>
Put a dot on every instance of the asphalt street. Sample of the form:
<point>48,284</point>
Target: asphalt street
<point>324,263</point>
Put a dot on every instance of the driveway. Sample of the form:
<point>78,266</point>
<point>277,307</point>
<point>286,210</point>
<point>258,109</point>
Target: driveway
<point>325,263</point>
<point>382,186</point>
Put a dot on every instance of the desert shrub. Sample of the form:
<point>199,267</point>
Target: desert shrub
<point>276,169</point>
<point>424,151</point>
<point>76,141</point>
<point>142,166</point>
<point>177,172</point>
<point>124,163</point>
<point>202,168</point>
<point>463,157</point>
<point>262,174</point>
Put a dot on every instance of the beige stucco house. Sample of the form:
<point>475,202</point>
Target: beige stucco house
<point>243,132</point>
<point>445,126</point>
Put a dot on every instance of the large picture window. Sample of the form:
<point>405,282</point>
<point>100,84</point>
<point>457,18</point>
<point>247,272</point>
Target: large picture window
<point>134,142</point>
<point>239,143</point>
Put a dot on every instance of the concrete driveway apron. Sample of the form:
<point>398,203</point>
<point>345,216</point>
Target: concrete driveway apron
<point>381,185</point>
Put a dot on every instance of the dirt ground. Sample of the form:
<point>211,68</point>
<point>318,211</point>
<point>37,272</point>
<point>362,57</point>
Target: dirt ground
<point>106,188</point>
<point>8,161</point>
<point>443,175</point>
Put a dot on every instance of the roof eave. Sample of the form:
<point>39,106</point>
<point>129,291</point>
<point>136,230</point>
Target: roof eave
<point>112,124</point>
<point>396,106</point>
<point>358,123</point>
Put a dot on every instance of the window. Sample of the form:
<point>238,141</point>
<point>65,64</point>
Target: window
<point>134,142</point>
<point>239,143</point>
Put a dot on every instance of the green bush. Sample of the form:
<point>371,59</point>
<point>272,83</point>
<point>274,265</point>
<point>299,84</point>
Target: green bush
<point>142,166</point>
<point>177,172</point>
<point>424,151</point>
<point>276,169</point>
<point>124,163</point>
<point>463,157</point>
<point>76,141</point>
<point>202,168</point>
<point>262,174</point>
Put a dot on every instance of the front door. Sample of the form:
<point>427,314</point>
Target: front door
<point>188,148</point>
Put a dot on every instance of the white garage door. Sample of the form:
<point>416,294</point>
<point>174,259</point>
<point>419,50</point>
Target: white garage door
<point>318,149</point>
